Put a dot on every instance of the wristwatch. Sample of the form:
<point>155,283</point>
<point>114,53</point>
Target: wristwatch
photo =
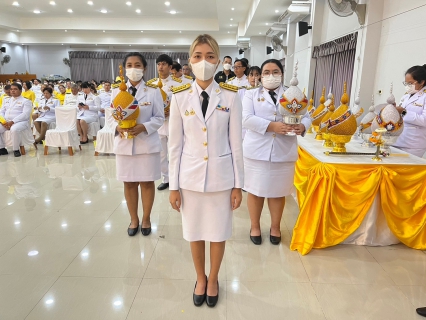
<point>403,113</point>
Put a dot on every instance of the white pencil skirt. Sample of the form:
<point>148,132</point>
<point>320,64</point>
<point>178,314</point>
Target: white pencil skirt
<point>138,167</point>
<point>206,216</point>
<point>268,179</point>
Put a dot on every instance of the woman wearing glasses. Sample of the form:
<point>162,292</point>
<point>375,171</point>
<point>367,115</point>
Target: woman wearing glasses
<point>269,154</point>
<point>240,80</point>
<point>412,108</point>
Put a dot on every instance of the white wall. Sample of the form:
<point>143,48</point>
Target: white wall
<point>17,59</point>
<point>402,45</point>
<point>47,60</point>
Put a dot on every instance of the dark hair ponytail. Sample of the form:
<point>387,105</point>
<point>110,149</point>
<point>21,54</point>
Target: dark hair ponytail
<point>418,73</point>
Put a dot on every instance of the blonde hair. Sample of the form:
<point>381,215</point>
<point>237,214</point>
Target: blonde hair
<point>207,39</point>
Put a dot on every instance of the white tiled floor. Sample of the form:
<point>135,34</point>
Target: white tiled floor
<point>69,213</point>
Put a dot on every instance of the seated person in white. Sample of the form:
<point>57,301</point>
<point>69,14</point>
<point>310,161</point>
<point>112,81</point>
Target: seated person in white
<point>71,97</point>
<point>17,115</point>
<point>46,109</point>
<point>89,106</point>
<point>105,97</point>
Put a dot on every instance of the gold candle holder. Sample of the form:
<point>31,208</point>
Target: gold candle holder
<point>339,142</point>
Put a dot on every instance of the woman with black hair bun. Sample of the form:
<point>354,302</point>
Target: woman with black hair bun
<point>412,108</point>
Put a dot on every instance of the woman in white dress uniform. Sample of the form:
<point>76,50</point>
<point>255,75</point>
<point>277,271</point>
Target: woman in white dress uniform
<point>88,105</point>
<point>46,109</point>
<point>138,159</point>
<point>240,80</point>
<point>413,110</point>
<point>206,163</point>
<point>269,154</point>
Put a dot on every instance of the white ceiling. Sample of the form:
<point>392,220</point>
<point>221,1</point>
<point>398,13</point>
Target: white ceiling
<point>123,25</point>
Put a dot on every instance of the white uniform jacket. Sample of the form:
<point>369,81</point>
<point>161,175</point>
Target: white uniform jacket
<point>49,115</point>
<point>242,84</point>
<point>414,134</point>
<point>17,110</point>
<point>5,101</point>
<point>186,79</point>
<point>70,100</point>
<point>151,115</point>
<point>168,84</point>
<point>258,112</point>
<point>92,101</point>
<point>205,154</point>
<point>105,99</point>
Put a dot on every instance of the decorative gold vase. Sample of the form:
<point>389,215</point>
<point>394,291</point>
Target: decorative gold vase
<point>309,130</point>
<point>319,133</point>
<point>340,141</point>
<point>327,140</point>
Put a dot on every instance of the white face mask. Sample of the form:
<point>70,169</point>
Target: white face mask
<point>134,74</point>
<point>271,82</point>
<point>227,66</point>
<point>204,70</point>
<point>411,89</point>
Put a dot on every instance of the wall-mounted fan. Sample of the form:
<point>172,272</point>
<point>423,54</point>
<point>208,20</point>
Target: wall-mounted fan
<point>345,8</point>
<point>6,59</point>
<point>277,44</point>
<point>67,62</point>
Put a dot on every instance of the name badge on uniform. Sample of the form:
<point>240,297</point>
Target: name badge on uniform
<point>221,108</point>
<point>418,105</point>
<point>145,103</point>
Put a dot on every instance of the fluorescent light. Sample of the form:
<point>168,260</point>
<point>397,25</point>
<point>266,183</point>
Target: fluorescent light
<point>232,9</point>
<point>230,25</point>
<point>52,3</point>
<point>50,301</point>
<point>104,11</point>
<point>128,3</point>
<point>118,303</point>
<point>17,222</point>
<point>69,10</point>
<point>37,11</point>
<point>173,12</point>
<point>180,31</point>
<point>167,3</point>
<point>65,30</point>
<point>267,23</point>
<point>87,202</point>
<point>33,253</point>
<point>103,31</point>
<point>228,32</point>
<point>124,201</point>
<point>138,10</point>
<point>90,3</point>
<point>64,225</point>
<point>276,11</point>
<point>231,19</point>
<point>15,3</point>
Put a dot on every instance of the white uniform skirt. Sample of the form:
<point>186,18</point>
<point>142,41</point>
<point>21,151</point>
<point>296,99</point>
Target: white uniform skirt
<point>268,179</point>
<point>88,119</point>
<point>48,119</point>
<point>138,167</point>
<point>206,216</point>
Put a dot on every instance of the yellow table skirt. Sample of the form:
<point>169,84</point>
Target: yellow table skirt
<point>334,199</point>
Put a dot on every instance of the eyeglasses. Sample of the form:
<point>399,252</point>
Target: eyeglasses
<point>275,73</point>
<point>408,84</point>
<point>237,67</point>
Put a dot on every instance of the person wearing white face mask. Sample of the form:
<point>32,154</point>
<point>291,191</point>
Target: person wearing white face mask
<point>412,108</point>
<point>206,163</point>
<point>269,154</point>
<point>226,74</point>
<point>138,159</point>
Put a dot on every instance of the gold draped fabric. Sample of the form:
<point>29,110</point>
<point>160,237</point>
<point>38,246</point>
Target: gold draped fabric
<point>334,199</point>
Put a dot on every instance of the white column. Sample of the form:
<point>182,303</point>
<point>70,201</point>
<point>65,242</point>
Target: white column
<point>291,44</point>
<point>257,50</point>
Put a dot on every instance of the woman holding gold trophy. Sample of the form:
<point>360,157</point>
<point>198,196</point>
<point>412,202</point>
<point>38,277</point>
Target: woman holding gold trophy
<point>139,113</point>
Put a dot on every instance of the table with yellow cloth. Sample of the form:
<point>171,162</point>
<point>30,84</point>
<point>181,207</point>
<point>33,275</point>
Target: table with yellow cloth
<point>343,198</point>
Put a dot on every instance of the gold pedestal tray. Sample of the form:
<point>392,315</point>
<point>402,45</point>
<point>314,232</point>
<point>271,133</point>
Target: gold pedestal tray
<point>327,140</point>
<point>319,134</point>
<point>339,142</point>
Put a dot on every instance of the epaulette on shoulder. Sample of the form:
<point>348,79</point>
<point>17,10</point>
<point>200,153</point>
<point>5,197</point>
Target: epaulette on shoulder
<point>230,79</point>
<point>151,84</point>
<point>181,88</point>
<point>228,86</point>
<point>424,90</point>
<point>115,85</point>
<point>176,79</point>
<point>67,92</point>
<point>151,81</point>
<point>251,88</point>
<point>188,77</point>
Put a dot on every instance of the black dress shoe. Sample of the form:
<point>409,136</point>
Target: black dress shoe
<point>3,152</point>
<point>421,311</point>
<point>199,299</point>
<point>146,231</point>
<point>16,153</point>
<point>274,240</point>
<point>84,142</point>
<point>163,186</point>
<point>212,300</point>
<point>132,231</point>
<point>257,240</point>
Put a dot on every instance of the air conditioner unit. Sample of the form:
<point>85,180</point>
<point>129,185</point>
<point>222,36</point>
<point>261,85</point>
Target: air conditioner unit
<point>296,12</point>
<point>277,29</point>
<point>243,43</point>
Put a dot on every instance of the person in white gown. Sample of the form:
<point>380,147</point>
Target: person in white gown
<point>46,109</point>
<point>89,106</point>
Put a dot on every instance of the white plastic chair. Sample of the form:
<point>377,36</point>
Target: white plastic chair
<point>65,134</point>
<point>27,139</point>
<point>105,138</point>
<point>52,125</point>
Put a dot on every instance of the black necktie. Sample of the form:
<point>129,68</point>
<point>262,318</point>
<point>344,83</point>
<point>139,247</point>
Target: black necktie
<point>205,103</point>
<point>133,91</point>
<point>272,94</point>
<point>85,97</point>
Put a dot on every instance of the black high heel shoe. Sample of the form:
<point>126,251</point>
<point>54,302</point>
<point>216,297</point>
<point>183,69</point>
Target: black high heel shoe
<point>274,240</point>
<point>212,300</point>
<point>197,298</point>
<point>257,240</point>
